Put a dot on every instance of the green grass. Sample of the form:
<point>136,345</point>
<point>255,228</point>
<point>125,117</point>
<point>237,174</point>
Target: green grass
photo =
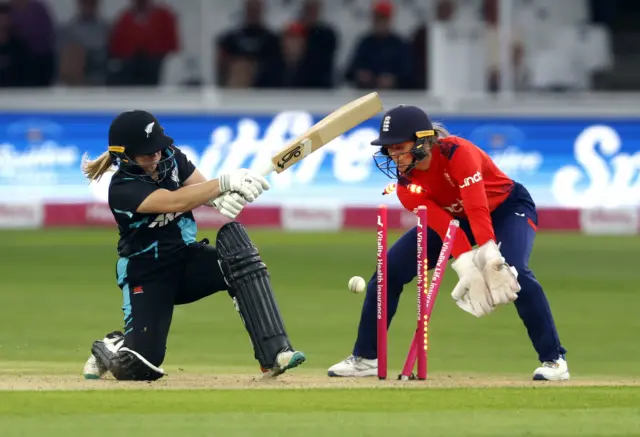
<point>58,294</point>
<point>497,412</point>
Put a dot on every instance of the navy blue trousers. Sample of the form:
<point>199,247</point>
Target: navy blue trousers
<point>513,224</point>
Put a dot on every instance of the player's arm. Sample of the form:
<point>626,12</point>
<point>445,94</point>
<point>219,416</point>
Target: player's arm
<point>470,291</point>
<point>437,218</point>
<point>248,185</point>
<point>182,200</point>
<point>465,169</point>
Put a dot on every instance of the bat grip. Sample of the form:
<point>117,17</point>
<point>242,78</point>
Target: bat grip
<point>265,169</point>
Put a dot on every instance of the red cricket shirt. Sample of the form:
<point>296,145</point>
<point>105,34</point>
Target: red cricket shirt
<point>462,182</point>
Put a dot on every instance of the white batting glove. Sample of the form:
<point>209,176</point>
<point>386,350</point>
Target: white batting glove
<point>229,204</point>
<point>471,293</point>
<point>247,184</point>
<point>501,279</point>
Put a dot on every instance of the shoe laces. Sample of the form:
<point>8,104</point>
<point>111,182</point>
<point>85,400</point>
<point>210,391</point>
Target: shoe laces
<point>351,359</point>
<point>553,363</point>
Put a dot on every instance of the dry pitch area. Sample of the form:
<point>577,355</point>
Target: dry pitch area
<point>185,381</point>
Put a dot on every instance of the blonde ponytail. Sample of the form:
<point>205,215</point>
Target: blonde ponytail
<point>94,170</point>
<point>441,130</point>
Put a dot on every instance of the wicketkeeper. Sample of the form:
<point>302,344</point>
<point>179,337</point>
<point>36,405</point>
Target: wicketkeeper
<point>456,179</point>
<point>161,264</point>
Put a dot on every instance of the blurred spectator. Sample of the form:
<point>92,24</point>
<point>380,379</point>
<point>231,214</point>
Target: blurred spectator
<point>141,39</point>
<point>12,52</point>
<point>382,59</point>
<point>444,11</point>
<point>419,47</point>
<point>83,51</point>
<point>32,24</point>
<point>293,53</point>
<point>250,55</point>
<point>491,16</point>
<point>318,61</point>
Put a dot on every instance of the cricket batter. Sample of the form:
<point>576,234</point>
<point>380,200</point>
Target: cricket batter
<point>161,264</point>
<point>454,178</point>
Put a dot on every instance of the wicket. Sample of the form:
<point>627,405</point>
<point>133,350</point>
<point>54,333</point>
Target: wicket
<point>426,293</point>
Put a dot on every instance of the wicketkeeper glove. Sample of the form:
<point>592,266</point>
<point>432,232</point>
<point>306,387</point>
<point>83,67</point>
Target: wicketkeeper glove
<point>501,279</point>
<point>471,293</point>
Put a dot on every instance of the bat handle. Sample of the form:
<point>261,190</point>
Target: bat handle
<point>265,169</point>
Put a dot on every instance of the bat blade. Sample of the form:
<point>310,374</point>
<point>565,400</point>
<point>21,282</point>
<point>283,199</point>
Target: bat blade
<point>333,125</point>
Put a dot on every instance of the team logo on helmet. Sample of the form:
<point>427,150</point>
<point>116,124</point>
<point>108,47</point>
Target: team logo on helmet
<point>149,128</point>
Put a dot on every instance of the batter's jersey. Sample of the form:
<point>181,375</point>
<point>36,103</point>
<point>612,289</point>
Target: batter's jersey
<point>151,236</point>
<point>462,182</point>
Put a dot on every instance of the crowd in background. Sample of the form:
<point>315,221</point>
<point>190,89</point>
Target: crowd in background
<point>88,50</point>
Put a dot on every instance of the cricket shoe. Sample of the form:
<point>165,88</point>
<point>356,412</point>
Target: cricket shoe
<point>285,360</point>
<point>355,366</point>
<point>556,370</point>
<point>94,369</point>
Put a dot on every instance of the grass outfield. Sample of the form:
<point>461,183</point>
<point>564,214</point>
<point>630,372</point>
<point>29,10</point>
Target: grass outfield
<point>58,294</point>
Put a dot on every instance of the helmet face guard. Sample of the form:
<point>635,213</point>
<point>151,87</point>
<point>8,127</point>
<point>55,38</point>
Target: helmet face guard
<point>418,152</point>
<point>130,167</point>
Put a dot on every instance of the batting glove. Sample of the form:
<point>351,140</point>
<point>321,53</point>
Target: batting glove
<point>229,204</point>
<point>247,184</point>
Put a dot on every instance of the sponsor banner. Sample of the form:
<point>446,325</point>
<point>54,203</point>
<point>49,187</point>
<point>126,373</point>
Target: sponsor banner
<point>20,215</point>
<point>558,219</point>
<point>251,216</point>
<point>548,218</point>
<point>564,162</point>
<point>599,221</point>
<point>309,218</point>
<point>99,214</point>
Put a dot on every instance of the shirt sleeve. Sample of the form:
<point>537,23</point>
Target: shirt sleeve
<point>465,169</point>
<point>185,166</point>
<point>437,219</point>
<point>126,196</point>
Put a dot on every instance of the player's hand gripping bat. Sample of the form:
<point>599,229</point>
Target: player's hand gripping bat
<point>323,132</point>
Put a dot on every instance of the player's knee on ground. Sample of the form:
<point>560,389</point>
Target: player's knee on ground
<point>126,364</point>
<point>250,287</point>
<point>153,353</point>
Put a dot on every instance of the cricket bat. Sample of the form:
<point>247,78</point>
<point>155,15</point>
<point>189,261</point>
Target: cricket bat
<point>333,125</point>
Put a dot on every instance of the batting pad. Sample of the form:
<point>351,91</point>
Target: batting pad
<point>250,287</point>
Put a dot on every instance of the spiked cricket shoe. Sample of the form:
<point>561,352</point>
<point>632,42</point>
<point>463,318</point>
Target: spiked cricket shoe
<point>93,369</point>
<point>285,360</point>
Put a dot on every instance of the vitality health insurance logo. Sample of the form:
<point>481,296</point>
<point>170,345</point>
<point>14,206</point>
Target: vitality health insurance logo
<point>347,159</point>
<point>603,177</point>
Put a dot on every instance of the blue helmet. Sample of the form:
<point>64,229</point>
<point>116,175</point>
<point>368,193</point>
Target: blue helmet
<point>401,124</point>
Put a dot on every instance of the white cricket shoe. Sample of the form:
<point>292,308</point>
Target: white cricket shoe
<point>355,366</point>
<point>93,369</point>
<point>285,360</point>
<point>556,370</point>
